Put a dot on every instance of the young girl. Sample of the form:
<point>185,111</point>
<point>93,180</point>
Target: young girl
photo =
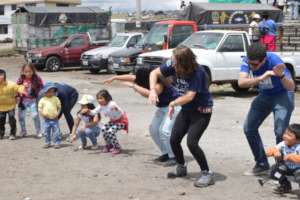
<point>28,101</point>
<point>90,128</point>
<point>161,125</point>
<point>117,121</point>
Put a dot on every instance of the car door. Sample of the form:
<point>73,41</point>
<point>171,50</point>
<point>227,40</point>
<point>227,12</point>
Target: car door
<point>229,57</point>
<point>74,49</point>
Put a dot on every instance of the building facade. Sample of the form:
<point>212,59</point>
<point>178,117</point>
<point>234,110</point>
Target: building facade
<point>7,7</point>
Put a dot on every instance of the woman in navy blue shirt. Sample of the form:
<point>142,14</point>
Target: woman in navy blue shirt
<point>191,82</point>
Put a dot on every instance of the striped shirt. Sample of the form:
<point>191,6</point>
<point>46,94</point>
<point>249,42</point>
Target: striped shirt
<point>288,150</point>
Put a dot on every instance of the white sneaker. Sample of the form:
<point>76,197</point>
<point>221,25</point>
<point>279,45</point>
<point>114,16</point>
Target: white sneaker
<point>12,137</point>
<point>39,135</point>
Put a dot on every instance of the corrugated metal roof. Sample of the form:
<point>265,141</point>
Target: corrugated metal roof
<point>233,6</point>
<point>5,2</point>
<point>33,9</point>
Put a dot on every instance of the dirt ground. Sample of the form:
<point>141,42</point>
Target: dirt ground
<point>29,171</point>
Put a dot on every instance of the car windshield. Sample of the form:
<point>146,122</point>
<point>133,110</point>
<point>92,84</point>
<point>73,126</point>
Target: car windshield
<point>204,40</point>
<point>118,41</point>
<point>156,34</point>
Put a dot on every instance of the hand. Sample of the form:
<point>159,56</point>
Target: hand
<point>171,110</point>
<point>277,155</point>
<point>84,111</point>
<point>153,98</point>
<point>109,80</point>
<point>72,137</point>
<point>266,75</point>
<point>279,70</point>
<point>287,157</point>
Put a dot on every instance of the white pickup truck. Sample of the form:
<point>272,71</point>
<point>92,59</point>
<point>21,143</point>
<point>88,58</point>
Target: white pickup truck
<point>221,53</point>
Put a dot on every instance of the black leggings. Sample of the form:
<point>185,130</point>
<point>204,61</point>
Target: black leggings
<point>192,123</point>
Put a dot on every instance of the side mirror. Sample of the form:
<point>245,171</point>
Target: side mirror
<point>67,45</point>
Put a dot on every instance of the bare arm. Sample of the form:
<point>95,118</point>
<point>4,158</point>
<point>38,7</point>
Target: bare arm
<point>94,122</point>
<point>287,83</point>
<point>125,77</point>
<point>154,75</point>
<point>188,97</point>
<point>146,92</point>
<point>245,81</point>
<point>76,124</point>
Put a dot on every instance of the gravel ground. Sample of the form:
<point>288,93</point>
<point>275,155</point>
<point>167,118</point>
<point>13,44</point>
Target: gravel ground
<point>28,170</point>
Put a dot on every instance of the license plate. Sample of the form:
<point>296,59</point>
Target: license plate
<point>116,65</point>
<point>85,62</point>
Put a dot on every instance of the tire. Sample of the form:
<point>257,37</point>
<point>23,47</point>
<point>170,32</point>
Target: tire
<point>94,71</point>
<point>292,72</point>
<point>53,64</point>
<point>237,88</point>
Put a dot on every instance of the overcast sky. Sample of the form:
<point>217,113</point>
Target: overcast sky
<point>130,4</point>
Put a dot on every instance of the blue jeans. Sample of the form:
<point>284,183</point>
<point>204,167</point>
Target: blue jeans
<point>282,106</point>
<point>161,128</point>
<point>52,126</point>
<point>92,133</point>
<point>29,106</point>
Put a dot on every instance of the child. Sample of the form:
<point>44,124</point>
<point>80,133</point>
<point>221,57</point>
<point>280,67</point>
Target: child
<point>28,101</point>
<point>49,107</point>
<point>117,121</point>
<point>161,125</point>
<point>287,154</point>
<point>90,128</point>
<point>8,91</point>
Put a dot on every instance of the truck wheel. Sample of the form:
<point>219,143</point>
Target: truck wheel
<point>237,88</point>
<point>292,72</point>
<point>53,64</point>
<point>94,71</point>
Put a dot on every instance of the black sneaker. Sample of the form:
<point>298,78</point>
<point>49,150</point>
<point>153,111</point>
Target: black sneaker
<point>284,188</point>
<point>258,169</point>
<point>162,158</point>
<point>180,171</point>
<point>1,137</point>
<point>171,162</point>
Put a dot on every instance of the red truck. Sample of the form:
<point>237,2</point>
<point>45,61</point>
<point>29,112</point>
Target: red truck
<point>67,54</point>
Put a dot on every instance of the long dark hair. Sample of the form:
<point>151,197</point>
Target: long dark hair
<point>142,77</point>
<point>3,72</point>
<point>186,62</point>
<point>105,94</point>
<point>36,80</point>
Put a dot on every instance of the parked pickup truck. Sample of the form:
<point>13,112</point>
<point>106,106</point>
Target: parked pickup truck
<point>97,59</point>
<point>221,53</point>
<point>67,54</point>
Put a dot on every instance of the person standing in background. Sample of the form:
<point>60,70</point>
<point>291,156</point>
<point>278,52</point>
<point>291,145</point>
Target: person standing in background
<point>253,29</point>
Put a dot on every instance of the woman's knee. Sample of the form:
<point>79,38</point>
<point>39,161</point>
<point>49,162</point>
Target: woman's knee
<point>192,144</point>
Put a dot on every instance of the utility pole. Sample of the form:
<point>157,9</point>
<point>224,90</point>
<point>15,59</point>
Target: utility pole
<point>138,13</point>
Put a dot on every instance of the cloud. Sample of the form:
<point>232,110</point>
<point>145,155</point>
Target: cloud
<point>130,4</point>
